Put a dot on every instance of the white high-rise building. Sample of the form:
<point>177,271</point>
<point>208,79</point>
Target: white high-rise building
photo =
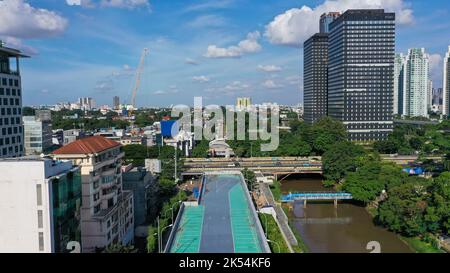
<point>416,75</point>
<point>446,89</point>
<point>11,130</point>
<point>399,65</point>
<point>40,205</point>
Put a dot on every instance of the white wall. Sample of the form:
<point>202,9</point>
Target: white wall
<point>18,206</point>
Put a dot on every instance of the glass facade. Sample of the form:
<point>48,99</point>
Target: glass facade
<point>361,73</point>
<point>66,191</point>
<point>315,77</point>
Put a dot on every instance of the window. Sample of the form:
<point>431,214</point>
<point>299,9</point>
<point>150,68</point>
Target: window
<point>39,194</point>
<point>41,241</point>
<point>40,219</point>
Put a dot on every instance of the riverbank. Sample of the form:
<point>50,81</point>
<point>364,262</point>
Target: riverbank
<point>416,244</point>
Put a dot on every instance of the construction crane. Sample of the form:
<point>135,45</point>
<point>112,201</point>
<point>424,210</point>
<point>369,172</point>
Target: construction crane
<point>138,79</point>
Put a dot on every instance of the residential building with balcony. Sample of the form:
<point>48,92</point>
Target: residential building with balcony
<point>107,210</point>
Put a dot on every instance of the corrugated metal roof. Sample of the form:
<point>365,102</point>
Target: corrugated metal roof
<point>89,145</point>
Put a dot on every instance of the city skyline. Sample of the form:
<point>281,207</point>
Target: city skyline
<point>197,48</point>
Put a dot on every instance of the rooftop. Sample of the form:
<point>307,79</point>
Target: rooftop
<point>11,52</point>
<point>89,145</point>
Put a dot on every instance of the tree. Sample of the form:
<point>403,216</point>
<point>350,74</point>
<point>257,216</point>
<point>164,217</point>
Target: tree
<point>341,159</point>
<point>326,132</point>
<point>364,184</point>
<point>405,208</point>
<point>152,239</point>
<point>438,212</point>
<point>118,248</point>
<point>201,149</point>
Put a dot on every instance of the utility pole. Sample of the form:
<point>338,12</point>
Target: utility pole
<point>175,156</point>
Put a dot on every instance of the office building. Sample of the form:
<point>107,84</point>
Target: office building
<point>38,134</point>
<point>416,83</point>
<point>116,103</point>
<point>107,210</point>
<point>326,19</point>
<point>40,205</point>
<point>315,77</point>
<point>399,75</point>
<point>11,130</point>
<point>446,86</point>
<point>361,73</point>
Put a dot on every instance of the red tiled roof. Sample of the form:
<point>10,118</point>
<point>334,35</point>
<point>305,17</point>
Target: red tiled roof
<point>89,145</point>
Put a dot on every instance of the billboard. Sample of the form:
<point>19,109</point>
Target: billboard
<point>169,128</point>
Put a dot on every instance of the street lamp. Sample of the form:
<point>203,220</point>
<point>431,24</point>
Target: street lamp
<point>165,213</point>
<point>270,241</point>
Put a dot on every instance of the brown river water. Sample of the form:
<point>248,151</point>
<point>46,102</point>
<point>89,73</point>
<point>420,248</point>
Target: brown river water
<point>347,228</point>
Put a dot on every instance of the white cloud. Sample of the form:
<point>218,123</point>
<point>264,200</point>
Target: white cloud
<point>210,4</point>
<point>191,61</point>
<point>20,20</point>
<point>159,92</point>
<point>210,20</point>
<point>270,84</point>
<point>18,44</point>
<point>269,68</point>
<point>202,79</point>
<point>128,4</point>
<point>249,45</point>
<point>294,26</point>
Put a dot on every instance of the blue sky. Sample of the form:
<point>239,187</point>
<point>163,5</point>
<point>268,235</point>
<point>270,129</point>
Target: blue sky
<point>217,49</point>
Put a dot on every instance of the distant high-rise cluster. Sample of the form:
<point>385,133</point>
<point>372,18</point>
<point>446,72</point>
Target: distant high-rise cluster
<point>86,104</point>
<point>242,103</point>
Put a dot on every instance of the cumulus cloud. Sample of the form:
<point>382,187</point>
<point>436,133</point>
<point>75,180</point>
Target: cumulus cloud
<point>269,68</point>
<point>270,84</point>
<point>294,26</point>
<point>20,20</point>
<point>202,79</point>
<point>249,45</point>
<point>18,44</point>
<point>128,4</point>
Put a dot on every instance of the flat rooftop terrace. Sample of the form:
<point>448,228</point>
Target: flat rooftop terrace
<point>223,222</point>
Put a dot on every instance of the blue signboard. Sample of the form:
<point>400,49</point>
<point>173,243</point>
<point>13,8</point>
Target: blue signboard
<point>169,128</point>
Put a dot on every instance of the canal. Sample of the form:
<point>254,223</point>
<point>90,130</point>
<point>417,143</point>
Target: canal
<point>326,229</point>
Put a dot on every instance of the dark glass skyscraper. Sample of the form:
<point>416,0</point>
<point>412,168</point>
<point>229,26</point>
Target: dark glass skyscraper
<point>326,19</point>
<point>361,73</point>
<point>315,77</point>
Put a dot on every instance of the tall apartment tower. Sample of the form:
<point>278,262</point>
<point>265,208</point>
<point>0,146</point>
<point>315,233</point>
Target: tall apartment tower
<point>116,103</point>
<point>361,73</point>
<point>326,19</point>
<point>399,69</point>
<point>415,99</point>
<point>40,205</point>
<point>315,77</point>
<point>107,214</point>
<point>446,88</point>
<point>11,130</point>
